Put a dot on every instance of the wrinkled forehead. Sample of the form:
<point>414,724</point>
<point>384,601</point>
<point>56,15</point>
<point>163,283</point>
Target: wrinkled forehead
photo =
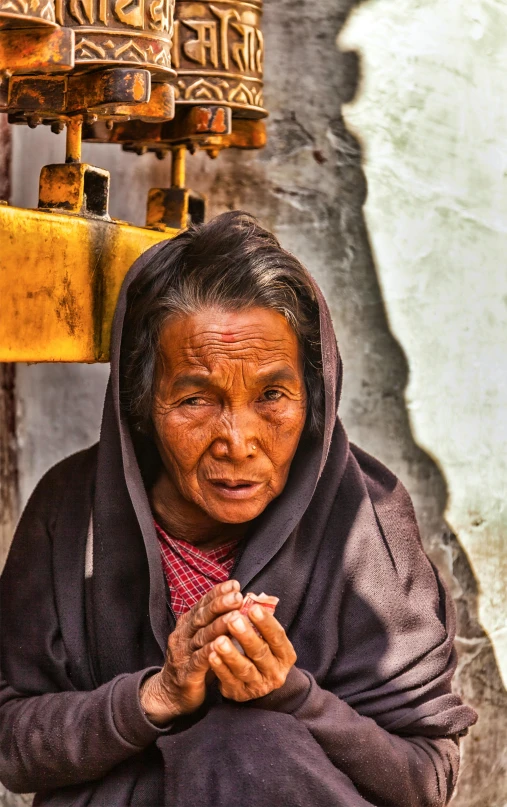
<point>210,338</point>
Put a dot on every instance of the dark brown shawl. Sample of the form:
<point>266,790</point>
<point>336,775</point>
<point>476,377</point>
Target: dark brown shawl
<point>368,716</point>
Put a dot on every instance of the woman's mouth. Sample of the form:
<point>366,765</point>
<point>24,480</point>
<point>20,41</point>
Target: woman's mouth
<point>236,488</point>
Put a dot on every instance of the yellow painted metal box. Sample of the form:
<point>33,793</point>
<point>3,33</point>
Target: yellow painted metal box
<point>60,276</point>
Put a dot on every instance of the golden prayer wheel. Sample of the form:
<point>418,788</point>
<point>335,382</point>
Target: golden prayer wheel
<point>218,52</point>
<point>120,33</point>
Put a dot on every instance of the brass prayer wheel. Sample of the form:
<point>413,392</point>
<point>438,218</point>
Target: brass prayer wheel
<point>27,13</point>
<point>218,51</point>
<point>120,33</point>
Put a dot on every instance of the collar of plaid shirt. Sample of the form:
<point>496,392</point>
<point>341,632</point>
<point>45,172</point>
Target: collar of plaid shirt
<point>190,572</point>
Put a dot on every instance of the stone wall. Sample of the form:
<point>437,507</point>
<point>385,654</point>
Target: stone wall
<point>382,283</point>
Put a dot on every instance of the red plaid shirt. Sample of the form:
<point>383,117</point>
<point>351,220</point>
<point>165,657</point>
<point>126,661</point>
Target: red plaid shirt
<point>190,572</point>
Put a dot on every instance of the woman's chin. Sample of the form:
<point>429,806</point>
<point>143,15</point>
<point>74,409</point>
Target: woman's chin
<point>234,503</point>
<point>235,511</point>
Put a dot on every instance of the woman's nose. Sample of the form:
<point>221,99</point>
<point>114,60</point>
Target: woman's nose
<point>237,440</point>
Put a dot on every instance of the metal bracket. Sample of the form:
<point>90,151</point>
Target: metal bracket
<point>75,188</point>
<point>37,50</point>
<point>105,93</point>
<point>174,208</point>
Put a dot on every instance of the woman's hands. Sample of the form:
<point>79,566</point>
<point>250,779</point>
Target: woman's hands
<point>267,660</point>
<point>180,687</point>
<point>199,643</point>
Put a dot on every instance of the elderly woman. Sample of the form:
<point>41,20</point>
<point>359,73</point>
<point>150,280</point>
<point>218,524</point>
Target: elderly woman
<point>129,675</point>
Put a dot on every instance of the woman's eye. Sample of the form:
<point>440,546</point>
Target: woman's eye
<point>195,401</point>
<point>272,395</point>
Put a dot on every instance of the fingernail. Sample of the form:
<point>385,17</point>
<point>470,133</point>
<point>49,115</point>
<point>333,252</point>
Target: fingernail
<point>238,625</point>
<point>228,586</point>
<point>214,658</point>
<point>258,612</point>
<point>230,599</point>
<point>223,643</point>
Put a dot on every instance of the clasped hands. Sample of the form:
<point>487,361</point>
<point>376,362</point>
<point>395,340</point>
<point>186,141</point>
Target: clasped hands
<point>201,642</point>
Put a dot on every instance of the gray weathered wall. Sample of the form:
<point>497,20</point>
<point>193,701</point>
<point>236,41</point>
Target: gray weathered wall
<point>309,187</point>
<point>8,446</point>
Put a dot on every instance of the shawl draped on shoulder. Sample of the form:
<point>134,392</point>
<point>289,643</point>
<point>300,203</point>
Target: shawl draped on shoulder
<point>367,716</point>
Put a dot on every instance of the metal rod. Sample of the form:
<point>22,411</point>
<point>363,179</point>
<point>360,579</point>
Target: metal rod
<point>74,139</point>
<point>178,167</point>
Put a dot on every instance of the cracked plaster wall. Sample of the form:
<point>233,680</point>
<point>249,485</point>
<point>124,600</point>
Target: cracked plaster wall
<point>431,113</point>
<point>309,187</point>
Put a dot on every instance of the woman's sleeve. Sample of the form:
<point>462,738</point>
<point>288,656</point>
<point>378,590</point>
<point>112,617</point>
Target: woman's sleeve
<point>386,768</point>
<point>52,735</point>
<point>56,739</point>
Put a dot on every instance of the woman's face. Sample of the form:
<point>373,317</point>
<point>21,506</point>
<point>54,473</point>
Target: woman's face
<point>230,406</point>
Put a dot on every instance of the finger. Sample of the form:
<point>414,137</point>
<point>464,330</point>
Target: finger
<point>205,614</point>
<point>271,630</point>
<point>255,647</point>
<point>198,664</point>
<point>219,627</point>
<point>187,622</point>
<point>230,687</point>
<point>240,666</point>
<point>217,591</point>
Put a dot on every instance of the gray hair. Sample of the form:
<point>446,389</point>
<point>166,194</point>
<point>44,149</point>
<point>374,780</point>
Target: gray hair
<point>231,263</point>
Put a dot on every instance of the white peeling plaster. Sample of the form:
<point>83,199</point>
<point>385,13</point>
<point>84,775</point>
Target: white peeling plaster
<point>432,116</point>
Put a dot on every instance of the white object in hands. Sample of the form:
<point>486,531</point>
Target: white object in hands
<point>265,601</point>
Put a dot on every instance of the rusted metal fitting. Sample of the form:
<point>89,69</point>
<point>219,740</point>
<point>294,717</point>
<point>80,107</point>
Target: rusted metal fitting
<point>211,128</point>
<point>159,107</point>
<point>74,188</point>
<point>244,134</point>
<point>57,127</point>
<point>207,127</point>
<point>190,126</point>
<point>60,96</point>
<point>116,94</point>
<point>73,145</point>
<point>175,207</point>
<point>29,51</point>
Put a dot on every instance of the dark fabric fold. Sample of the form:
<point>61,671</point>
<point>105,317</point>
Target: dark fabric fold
<point>263,760</point>
<point>367,717</point>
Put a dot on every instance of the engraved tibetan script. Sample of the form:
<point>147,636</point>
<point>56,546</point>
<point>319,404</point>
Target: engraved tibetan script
<point>226,40</point>
<point>154,15</point>
<point>43,10</point>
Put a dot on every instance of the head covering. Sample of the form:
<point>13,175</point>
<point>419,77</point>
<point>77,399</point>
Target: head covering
<point>363,605</point>
<point>369,618</point>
